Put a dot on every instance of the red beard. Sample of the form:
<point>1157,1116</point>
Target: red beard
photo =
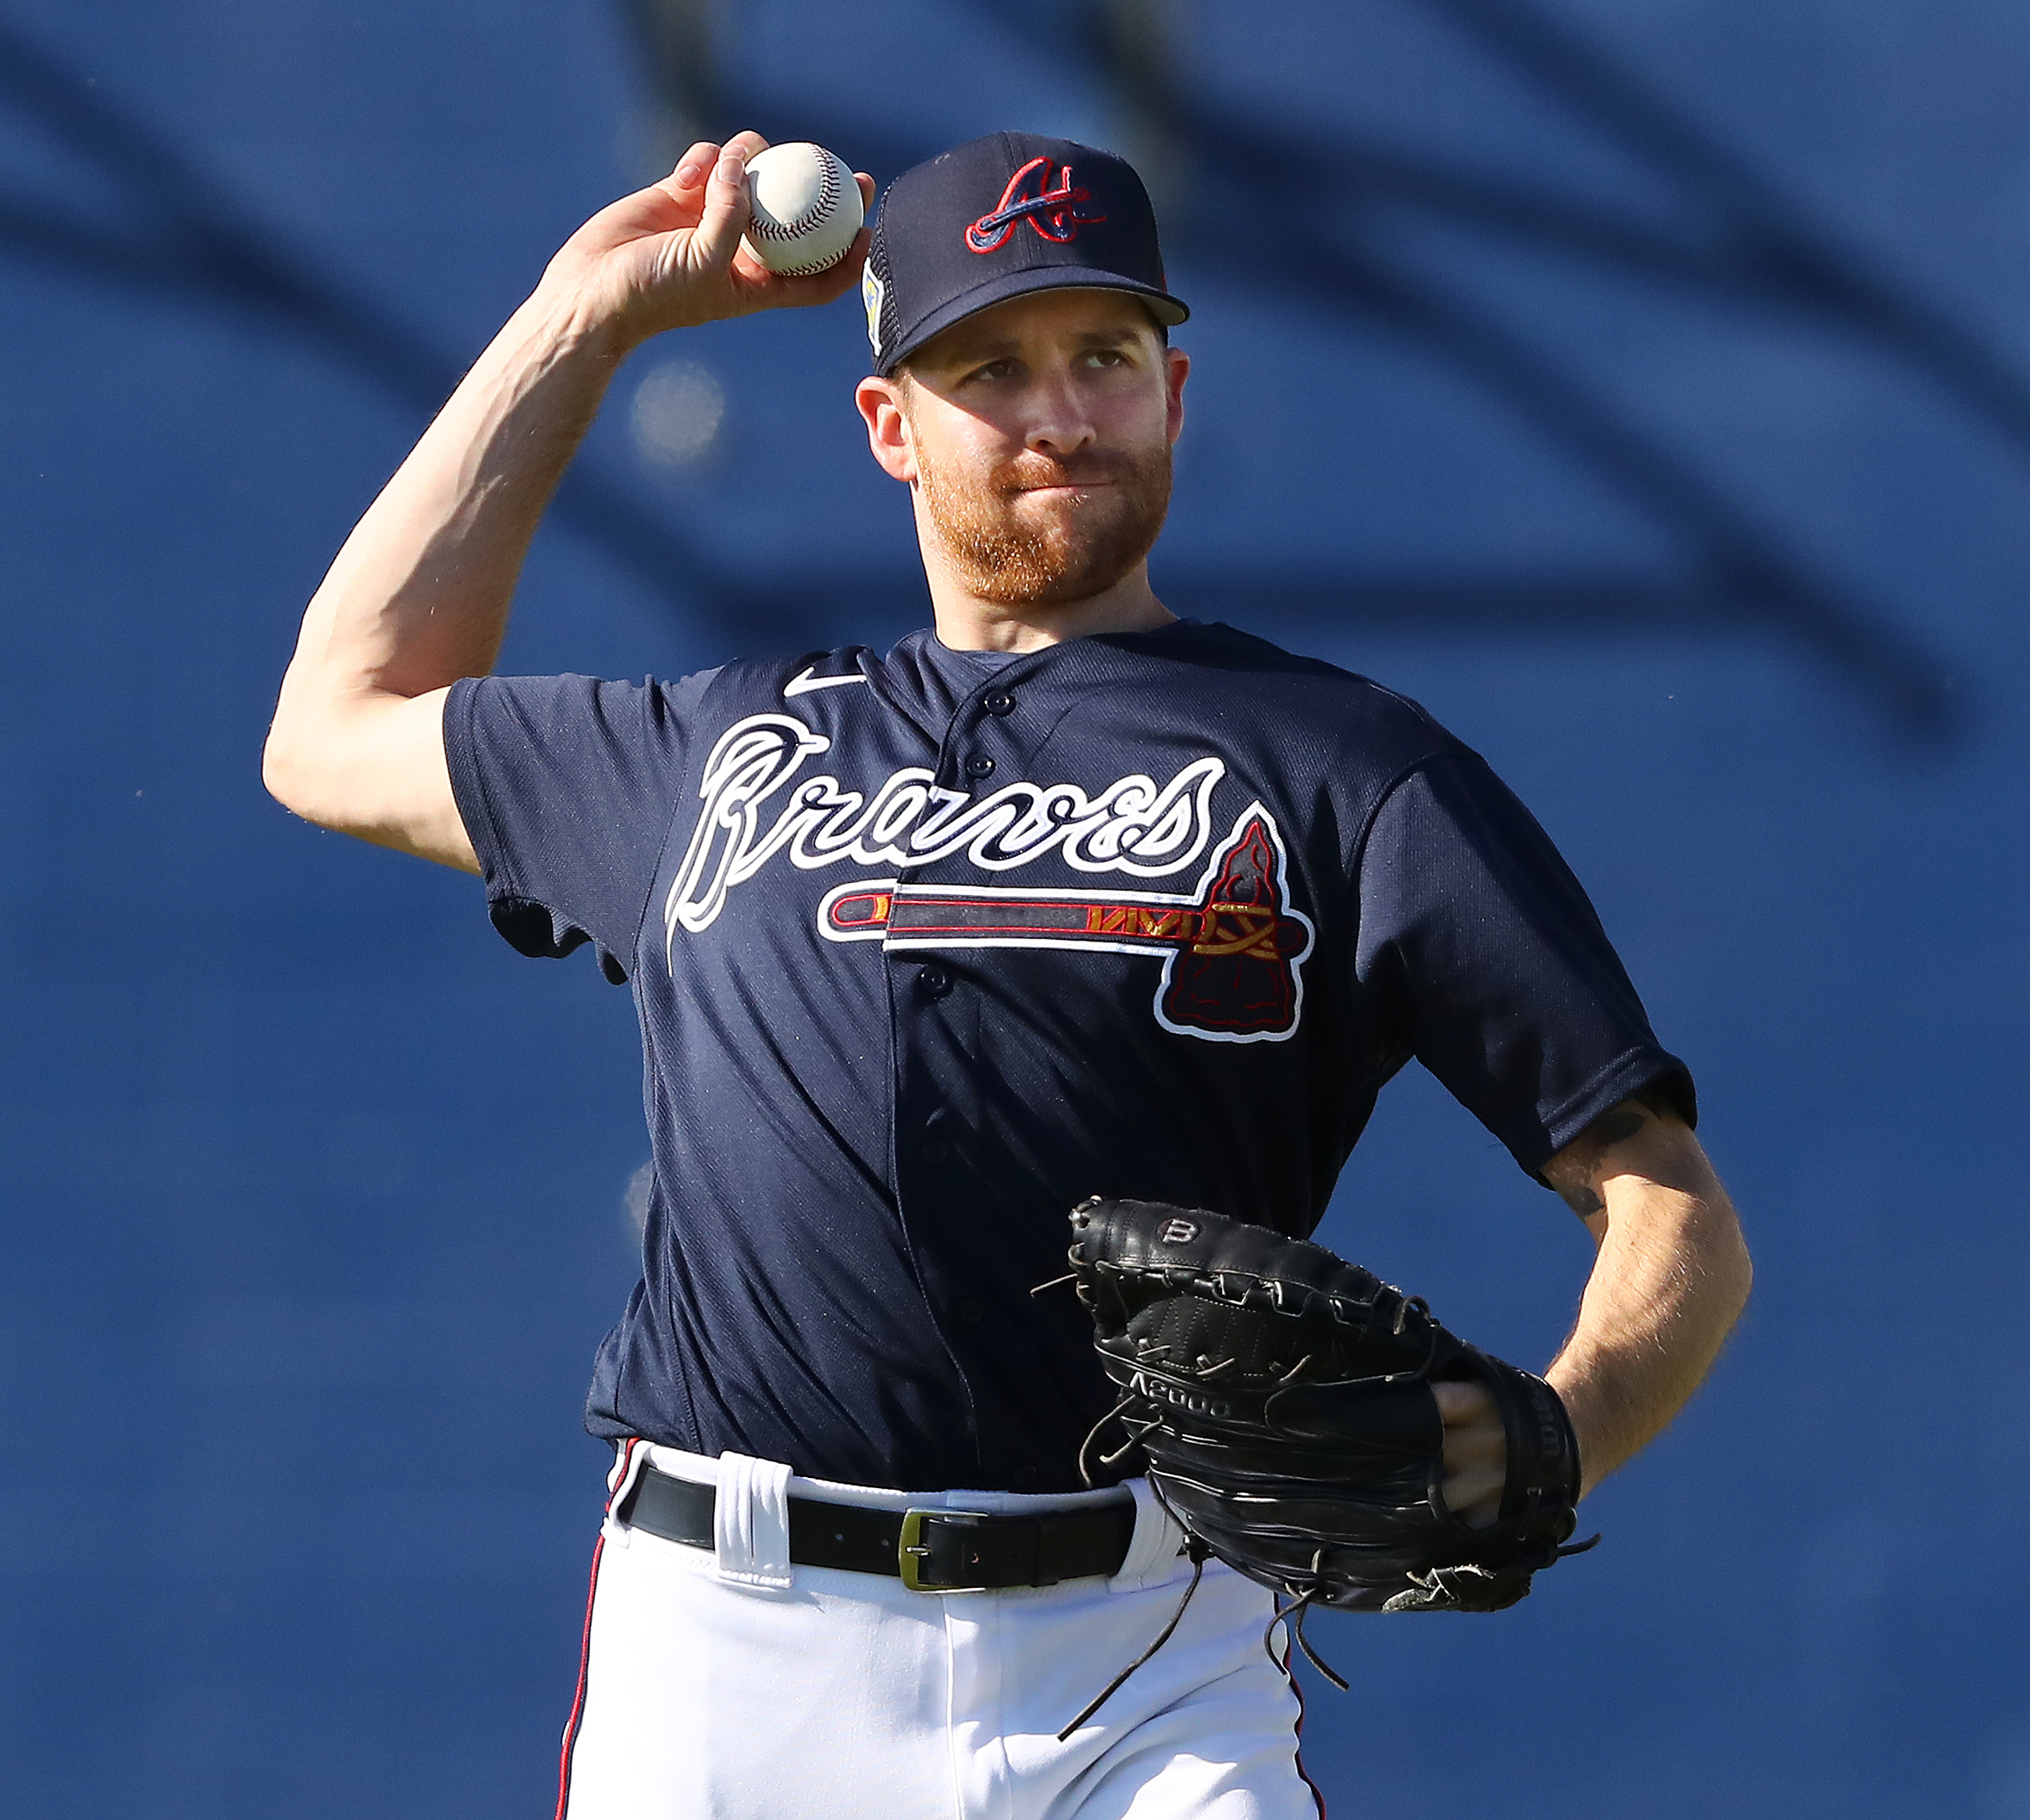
<point>1078,548</point>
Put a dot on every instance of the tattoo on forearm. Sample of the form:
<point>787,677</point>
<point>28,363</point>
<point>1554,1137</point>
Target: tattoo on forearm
<point>1582,1200</point>
<point>1614,1127</point>
<point>1581,1164</point>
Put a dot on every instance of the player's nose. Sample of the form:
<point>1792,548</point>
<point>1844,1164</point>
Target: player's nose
<point>1060,419</point>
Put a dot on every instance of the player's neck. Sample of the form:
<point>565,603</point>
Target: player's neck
<point>967,622</point>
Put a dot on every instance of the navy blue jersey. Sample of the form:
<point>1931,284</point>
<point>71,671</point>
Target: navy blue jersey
<point>927,948</point>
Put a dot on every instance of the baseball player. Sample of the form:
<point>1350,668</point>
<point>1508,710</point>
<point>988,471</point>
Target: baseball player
<point>1062,896</point>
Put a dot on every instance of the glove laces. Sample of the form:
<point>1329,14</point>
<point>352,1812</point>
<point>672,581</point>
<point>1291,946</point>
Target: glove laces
<point>1198,1552</point>
<point>1293,1615</point>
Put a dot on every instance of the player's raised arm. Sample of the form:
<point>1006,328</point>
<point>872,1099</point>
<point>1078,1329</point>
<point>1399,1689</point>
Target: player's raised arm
<point>418,597</point>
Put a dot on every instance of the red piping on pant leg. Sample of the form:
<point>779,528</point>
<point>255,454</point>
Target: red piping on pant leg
<point>578,1700</point>
<point>1317,1794</point>
<point>585,1654</point>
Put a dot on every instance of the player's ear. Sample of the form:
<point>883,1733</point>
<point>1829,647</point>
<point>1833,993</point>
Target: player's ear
<point>890,434</point>
<point>1177,370</point>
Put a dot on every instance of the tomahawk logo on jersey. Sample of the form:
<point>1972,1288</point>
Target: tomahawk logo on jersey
<point>1233,949</point>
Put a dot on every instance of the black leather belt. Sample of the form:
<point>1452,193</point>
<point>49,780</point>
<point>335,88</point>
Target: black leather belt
<point>929,1550</point>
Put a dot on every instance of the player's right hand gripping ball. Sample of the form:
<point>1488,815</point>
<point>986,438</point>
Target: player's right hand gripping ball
<point>1282,1397</point>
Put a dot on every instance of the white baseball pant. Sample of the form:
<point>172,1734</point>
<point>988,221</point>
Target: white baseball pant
<point>726,1683</point>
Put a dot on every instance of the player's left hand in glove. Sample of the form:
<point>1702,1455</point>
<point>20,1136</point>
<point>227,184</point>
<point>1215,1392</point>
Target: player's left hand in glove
<point>1283,1399</point>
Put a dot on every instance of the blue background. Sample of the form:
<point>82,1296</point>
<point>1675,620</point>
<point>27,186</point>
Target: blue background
<point>1638,382</point>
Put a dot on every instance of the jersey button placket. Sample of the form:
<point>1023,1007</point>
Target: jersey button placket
<point>986,719</point>
<point>985,738</point>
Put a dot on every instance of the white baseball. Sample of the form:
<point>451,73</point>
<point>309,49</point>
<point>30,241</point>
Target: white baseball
<point>806,208</point>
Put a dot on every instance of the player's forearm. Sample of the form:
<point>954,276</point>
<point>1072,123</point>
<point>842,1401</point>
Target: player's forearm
<point>419,594</point>
<point>1670,1280</point>
<point>418,597</point>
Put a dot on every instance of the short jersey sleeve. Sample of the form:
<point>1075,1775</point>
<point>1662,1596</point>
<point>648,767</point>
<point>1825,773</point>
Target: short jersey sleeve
<point>1493,968</point>
<point>567,786</point>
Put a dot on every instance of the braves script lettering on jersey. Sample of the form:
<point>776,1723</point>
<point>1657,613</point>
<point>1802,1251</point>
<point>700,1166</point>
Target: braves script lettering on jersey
<point>925,951</point>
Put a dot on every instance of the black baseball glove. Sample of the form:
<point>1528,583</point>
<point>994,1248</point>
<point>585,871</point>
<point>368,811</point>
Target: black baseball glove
<point>1282,1398</point>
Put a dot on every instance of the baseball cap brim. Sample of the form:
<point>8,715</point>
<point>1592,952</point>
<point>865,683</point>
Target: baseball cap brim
<point>999,289</point>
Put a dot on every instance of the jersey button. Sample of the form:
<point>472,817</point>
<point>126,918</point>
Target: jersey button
<point>970,1311</point>
<point>997,702</point>
<point>935,981</point>
<point>936,1150</point>
<point>979,765</point>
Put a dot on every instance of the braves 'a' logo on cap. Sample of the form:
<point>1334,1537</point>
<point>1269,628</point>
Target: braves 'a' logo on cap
<point>1052,209</point>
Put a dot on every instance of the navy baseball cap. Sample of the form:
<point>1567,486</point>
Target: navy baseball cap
<point>1012,212</point>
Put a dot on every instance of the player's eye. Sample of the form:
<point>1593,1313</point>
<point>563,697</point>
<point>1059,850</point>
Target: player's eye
<point>1106,357</point>
<point>994,370</point>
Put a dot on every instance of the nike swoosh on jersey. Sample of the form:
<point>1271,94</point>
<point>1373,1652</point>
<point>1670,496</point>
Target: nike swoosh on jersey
<point>803,682</point>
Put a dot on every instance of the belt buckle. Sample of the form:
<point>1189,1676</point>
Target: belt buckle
<point>912,1550</point>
